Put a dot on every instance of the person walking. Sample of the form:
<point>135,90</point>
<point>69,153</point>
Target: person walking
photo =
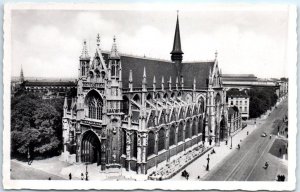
<point>70,176</point>
<point>82,176</point>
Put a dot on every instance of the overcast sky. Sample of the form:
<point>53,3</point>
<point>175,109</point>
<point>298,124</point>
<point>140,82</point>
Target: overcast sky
<point>48,43</point>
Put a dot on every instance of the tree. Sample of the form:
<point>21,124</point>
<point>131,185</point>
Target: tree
<point>261,100</point>
<point>35,125</point>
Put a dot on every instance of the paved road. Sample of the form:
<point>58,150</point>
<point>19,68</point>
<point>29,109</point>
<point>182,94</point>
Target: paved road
<point>247,163</point>
<point>19,171</point>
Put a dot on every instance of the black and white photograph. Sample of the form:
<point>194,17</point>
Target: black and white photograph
<point>150,97</point>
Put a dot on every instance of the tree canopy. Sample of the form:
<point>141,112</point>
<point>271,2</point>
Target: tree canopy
<point>35,125</point>
<point>261,100</point>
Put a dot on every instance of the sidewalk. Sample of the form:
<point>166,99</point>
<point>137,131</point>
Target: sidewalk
<point>198,167</point>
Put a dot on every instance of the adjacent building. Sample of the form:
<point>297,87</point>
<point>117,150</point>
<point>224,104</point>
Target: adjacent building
<point>240,100</point>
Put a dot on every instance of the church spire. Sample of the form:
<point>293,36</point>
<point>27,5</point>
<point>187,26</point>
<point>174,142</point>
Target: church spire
<point>176,54</point>
<point>84,53</point>
<point>21,75</point>
<point>114,51</point>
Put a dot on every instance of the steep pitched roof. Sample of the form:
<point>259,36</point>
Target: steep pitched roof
<point>197,70</point>
<point>159,68</point>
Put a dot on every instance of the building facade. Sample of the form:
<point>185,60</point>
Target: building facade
<point>138,112</point>
<point>234,120</point>
<point>241,100</point>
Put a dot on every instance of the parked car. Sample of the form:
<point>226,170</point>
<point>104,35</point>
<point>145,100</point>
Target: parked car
<point>263,134</point>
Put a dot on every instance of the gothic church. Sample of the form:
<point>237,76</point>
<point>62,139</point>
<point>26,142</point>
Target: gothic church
<point>137,112</point>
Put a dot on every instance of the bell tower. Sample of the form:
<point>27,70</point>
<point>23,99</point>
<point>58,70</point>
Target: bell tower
<point>176,53</point>
<point>114,103</point>
<point>84,62</point>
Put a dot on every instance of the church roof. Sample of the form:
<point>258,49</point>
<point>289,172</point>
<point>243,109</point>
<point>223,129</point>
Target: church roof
<point>162,68</point>
<point>197,70</point>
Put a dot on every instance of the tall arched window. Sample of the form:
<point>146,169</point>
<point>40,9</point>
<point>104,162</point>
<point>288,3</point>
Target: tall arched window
<point>125,104</point>
<point>172,135</point>
<point>201,102</point>
<point>200,125</point>
<point>95,105</point>
<point>134,151</point>
<point>180,133</point>
<point>194,128</point>
<point>124,141</point>
<point>161,139</point>
<point>83,69</point>
<point>187,129</point>
<point>151,143</point>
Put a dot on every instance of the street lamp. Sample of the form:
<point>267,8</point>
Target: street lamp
<point>207,166</point>
<point>86,172</point>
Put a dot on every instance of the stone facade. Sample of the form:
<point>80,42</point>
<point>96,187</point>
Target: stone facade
<point>139,123</point>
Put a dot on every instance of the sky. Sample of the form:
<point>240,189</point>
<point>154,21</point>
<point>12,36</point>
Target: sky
<point>48,43</point>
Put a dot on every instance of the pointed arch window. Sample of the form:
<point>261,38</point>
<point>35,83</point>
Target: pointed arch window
<point>151,143</point>
<point>172,135</point>
<point>180,133</point>
<point>161,139</point>
<point>83,69</point>
<point>187,129</point>
<point>95,106</point>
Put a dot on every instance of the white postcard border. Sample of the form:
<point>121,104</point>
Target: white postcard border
<point>167,185</point>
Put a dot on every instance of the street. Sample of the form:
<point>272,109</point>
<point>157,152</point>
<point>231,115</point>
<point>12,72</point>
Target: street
<point>19,171</point>
<point>247,163</point>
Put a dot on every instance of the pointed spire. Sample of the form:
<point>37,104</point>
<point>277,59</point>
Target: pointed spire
<point>66,103</point>
<point>170,83</point>
<point>114,51</point>
<point>216,55</point>
<point>84,53</point>
<point>176,53</point>
<point>144,77</point>
<point>98,40</point>
<point>130,76</point>
<point>182,83</point>
<point>154,83</point>
<point>130,81</point>
<point>21,74</point>
<point>162,83</point>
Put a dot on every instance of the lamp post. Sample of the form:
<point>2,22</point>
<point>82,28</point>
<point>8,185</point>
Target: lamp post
<point>86,172</point>
<point>207,166</point>
<point>28,156</point>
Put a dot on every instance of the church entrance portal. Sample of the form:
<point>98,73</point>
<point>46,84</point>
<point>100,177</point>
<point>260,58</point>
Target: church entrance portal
<point>90,148</point>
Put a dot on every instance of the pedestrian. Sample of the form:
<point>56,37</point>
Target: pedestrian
<point>198,177</point>
<point>283,178</point>
<point>86,176</point>
<point>49,178</point>
<point>82,176</point>
<point>70,176</point>
<point>280,151</point>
